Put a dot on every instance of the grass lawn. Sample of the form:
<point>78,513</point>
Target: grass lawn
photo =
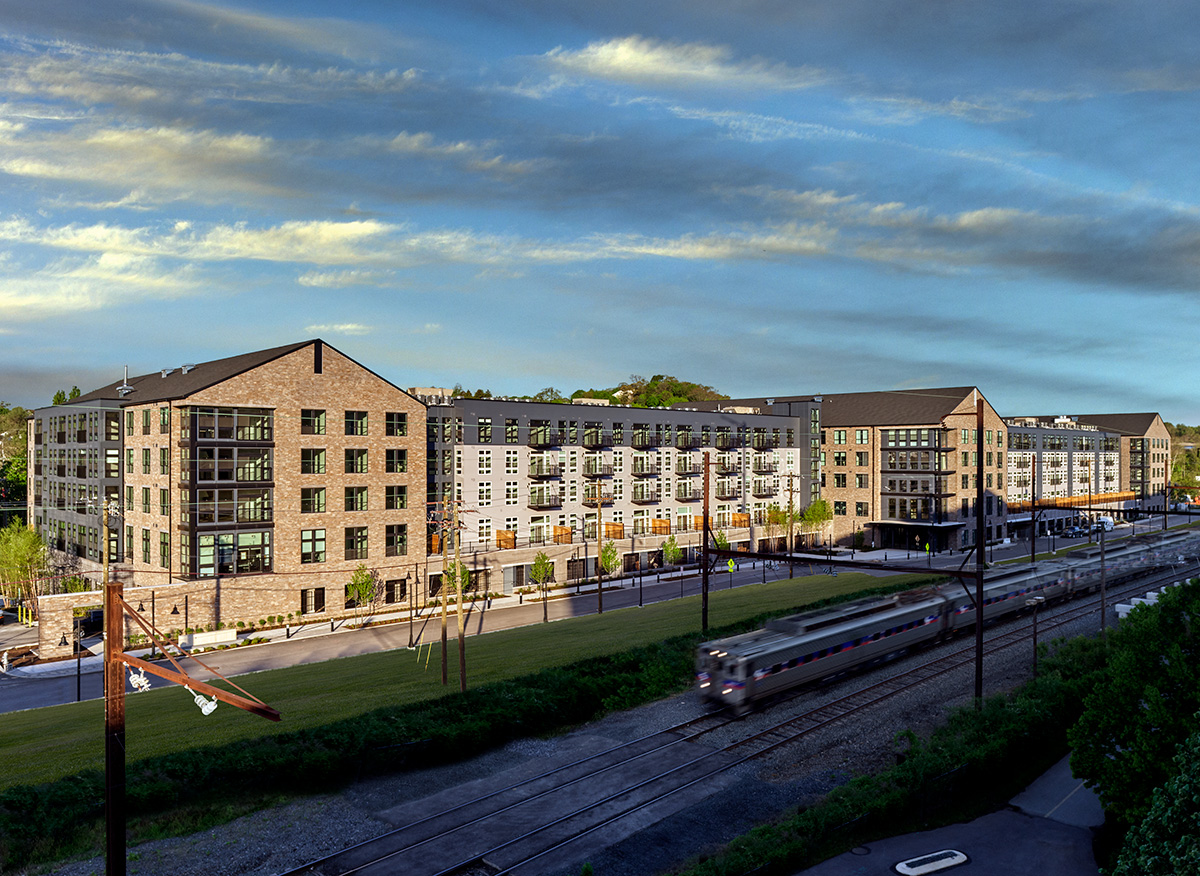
<point>44,745</point>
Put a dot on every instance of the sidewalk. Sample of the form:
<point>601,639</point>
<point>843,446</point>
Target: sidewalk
<point>1047,828</point>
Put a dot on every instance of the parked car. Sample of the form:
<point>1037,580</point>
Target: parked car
<point>1074,532</point>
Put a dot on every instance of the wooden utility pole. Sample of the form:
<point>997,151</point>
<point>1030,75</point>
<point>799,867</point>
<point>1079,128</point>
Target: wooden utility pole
<point>704,554</point>
<point>981,556</point>
<point>114,718</point>
<point>462,595</point>
<point>445,530</point>
<point>599,550</point>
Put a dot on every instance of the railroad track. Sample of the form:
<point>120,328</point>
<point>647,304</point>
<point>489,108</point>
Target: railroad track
<point>552,817</point>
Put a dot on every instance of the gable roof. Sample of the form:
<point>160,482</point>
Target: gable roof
<point>180,383</point>
<point>1124,424</point>
<point>899,407</point>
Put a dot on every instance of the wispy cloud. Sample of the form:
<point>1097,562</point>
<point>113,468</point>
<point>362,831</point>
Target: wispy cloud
<point>343,328</point>
<point>643,61</point>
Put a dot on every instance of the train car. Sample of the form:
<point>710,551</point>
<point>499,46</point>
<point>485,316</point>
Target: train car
<point>739,670</point>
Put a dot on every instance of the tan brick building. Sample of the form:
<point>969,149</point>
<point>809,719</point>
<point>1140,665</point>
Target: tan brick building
<point>253,486</point>
<point>899,468</point>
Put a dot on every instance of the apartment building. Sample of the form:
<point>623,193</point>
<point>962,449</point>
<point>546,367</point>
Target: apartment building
<point>536,477</point>
<point>898,468</point>
<point>245,487</point>
<point>1145,454</point>
<point>1057,467</point>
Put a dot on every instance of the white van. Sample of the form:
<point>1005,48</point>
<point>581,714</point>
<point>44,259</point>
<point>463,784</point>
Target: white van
<point>1105,523</point>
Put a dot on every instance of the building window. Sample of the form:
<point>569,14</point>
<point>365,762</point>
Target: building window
<point>395,590</point>
<point>312,500</point>
<point>164,502</point>
<point>511,432</point>
<point>395,424</point>
<point>312,422</point>
<point>146,502</point>
<point>485,462</point>
<point>396,540</point>
<point>510,492</point>
<point>164,550</point>
<point>396,461</point>
<point>839,436</point>
<point>862,481</point>
<point>312,460</point>
<point>356,498</point>
<point>312,546</point>
<point>860,436</point>
<point>356,460</point>
<point>146,546</point>
<point>395,498</point>
<point>839,509</point>
<point>312,600</point>
<point>128,422</point>
<point>860,509</point>
<point>356,542</point>
<point>356,422</point>
<point>485,430</point>
<point>839,480</point>
<point>164,460</point>
<point>839,457</point>
<point>145,460</point>
<point>145,421</point>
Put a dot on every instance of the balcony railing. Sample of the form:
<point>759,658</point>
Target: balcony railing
<point>645,497</point>
<point>593,498</point>
<point>728,468</point>
<point>727,441</point>
<point>686,467</point>
<point>762,465</point>
<point>763,490</point>
<point>643,469</point>
<point>545,470</point>
<point>545,500</point>
<point>686,441</point>
<point>597,470</point>
<point>725,492</point>
<point>764,442</point>
<point>643,440</point>
<point>685,493</point>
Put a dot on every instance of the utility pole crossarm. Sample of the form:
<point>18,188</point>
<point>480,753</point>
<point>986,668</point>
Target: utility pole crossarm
<point>182,678</point>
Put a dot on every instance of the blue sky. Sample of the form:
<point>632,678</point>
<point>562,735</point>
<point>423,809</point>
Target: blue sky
<point>800,196</point>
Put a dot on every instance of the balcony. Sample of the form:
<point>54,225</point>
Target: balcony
<point>643,468</point>
<point>544,436</point>
<point>765,442</point>
<point>763,490</point>
<point>597,470</point>
<point>594,438</point>
<point>765,465</point>
<point>645,494</point>
<point>592,498</point>
<point>727,441</point>
<point>686,441</point>
<point>725,492</point>
<point>543,470</point>
<point>687,493</point>
<point>728,468</point>
<point>643,439</point>
<point>686,467</point>
<point>540,501</point>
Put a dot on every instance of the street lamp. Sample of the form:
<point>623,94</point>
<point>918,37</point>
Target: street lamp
<point>1034,603</point>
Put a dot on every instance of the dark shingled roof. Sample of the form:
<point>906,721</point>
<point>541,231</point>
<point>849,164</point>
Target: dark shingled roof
<point>899,407</point>
<point>1124,424</point>
<point>155,388</point>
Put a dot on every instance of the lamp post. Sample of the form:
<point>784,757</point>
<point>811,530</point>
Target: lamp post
<point>1034,603</point>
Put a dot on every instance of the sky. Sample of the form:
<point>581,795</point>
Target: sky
<point>772,198</point>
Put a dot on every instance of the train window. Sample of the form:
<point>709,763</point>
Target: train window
<point>793,663</point>
<point>876,637</point>
<point>778,667</point>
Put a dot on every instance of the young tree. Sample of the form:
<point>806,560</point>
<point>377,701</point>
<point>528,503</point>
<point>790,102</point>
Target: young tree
<point>364,590</point>
<point>775,521</point>
<point>610,560</point>
<point>541,572</point>
<point>23,563</point>
<point>671,551</point>
<point>817,515</point>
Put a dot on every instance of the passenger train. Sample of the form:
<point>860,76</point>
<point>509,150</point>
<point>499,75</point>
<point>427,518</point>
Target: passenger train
<point>740,671</point>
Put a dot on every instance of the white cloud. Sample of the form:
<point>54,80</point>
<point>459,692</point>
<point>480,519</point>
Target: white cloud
<point>642,61</point>
<point>344,328</point>
<point>343,279</point>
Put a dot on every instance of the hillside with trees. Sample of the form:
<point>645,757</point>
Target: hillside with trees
<point>660,391</point>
